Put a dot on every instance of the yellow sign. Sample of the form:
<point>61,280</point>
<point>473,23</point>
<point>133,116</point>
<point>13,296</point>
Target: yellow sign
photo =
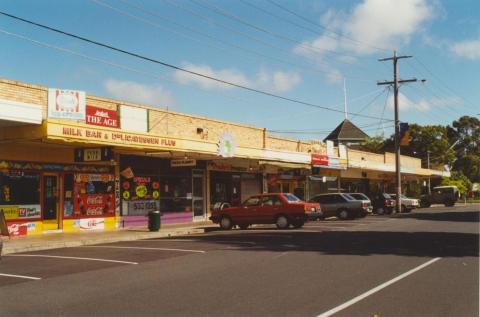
<point>155,194</point>
<point>126,195</point>
<point>10,212</point>
<point>141,191</point>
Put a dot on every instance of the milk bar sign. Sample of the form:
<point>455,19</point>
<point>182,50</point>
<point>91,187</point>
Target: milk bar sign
<point>94,154</point>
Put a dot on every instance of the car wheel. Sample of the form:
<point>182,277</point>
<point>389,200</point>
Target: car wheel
<point>282,222</point>
<point>449,203</point>
<point>343,214</point>
<point>362,214</point>
<point>425,204</point>
<point>243,226</point>
<point>226,223</point>
<point>298,224</point>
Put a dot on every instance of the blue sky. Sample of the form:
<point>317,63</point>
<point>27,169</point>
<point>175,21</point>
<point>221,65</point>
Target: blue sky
<point>301,50</point>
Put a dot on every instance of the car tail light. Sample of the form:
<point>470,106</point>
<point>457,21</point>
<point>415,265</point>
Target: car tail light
<point>387,202</point>
<point>364,204</point>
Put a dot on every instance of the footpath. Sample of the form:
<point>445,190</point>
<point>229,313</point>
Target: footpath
<point>61,240</point>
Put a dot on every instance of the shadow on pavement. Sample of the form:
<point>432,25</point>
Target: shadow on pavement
<point>466,216</point>
<point>418,244</point>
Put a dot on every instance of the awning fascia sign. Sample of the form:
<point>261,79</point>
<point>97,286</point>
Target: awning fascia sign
<point>20,112</point>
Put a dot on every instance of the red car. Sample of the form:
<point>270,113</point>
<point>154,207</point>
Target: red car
<point>280,209</point>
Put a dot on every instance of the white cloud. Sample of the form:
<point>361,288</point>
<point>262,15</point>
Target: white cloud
<point>229,75</point>
<point>467,49</point>
<point>380,23</point>
<point>276,81</point>
<point>131,91</point>
<point>423,105</point>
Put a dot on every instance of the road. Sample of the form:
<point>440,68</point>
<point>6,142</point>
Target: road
<point>419,264</point>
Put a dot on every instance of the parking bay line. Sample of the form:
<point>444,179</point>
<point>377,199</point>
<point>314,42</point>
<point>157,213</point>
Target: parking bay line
<point>21,276</point>
<point>70,258</point>
<point>143,248</point>
<point>376,289</point>
<point>203,241</point>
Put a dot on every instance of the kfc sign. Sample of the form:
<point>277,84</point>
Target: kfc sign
<point>102,117</point>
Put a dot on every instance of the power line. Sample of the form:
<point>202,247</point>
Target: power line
<point>175,67</point>
<point>325,28</point>
<point>231,16</point>
<point>238,47</point>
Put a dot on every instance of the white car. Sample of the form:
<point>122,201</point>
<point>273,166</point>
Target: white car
<point>407,204</point>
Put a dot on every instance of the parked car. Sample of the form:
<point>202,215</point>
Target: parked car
<point>383,203</point>
<point>364,198</point>
<point>447,195</point>
<point>341,205</point>
<point>278,208</point>
<point>406,204</point>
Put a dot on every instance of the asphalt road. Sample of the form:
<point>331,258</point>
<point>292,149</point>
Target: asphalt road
<point>420,264</point>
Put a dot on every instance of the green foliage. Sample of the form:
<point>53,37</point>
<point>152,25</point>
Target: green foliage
<point>458,179</point>
<point>465,134</point>
<point>373,144</point>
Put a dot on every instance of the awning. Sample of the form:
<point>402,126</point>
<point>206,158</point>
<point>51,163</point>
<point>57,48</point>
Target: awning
<point>285,164</point>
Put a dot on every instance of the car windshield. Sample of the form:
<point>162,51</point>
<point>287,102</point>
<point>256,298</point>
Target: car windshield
<point>292,198</point>
<point>359,196</point>
<point>387,196</point>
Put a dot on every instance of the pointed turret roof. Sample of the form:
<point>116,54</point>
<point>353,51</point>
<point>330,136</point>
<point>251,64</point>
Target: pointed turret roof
<point>346,131</point>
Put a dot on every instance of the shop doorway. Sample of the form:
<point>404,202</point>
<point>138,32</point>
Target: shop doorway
<point>198,197</point>
<point>51,202</point>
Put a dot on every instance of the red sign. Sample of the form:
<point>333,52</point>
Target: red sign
<point>94,204</point>
<point>318,159</point>
<point>102,117</point>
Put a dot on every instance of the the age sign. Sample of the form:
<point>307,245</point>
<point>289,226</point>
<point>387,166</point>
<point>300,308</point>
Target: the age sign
<point>102,117</point>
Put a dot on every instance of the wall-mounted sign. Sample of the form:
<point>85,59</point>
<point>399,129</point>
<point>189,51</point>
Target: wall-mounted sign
<point>20,112</point>
<point>133,119</point>
<point>66,104</point>
<point>319,160</point>
<point>94,155</point>
<point>102,117</point>
<point>110,137</point>
<point>330,148</point>
<point>226,145</point>
<point>15,212</point>
<point>183,162</point>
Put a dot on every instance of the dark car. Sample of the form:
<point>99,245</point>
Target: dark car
<point>340,205</point>
<point>279,208</point>
<point>364,198</point>
<point>447,195</point>
<point>383,203</point>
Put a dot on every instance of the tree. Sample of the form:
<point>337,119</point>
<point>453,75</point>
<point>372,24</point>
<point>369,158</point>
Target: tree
<point>465,134</point>
<point>373,144</point>
<point>458,179</point>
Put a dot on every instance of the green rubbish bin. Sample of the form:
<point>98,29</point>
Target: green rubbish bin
<point>154,220</point>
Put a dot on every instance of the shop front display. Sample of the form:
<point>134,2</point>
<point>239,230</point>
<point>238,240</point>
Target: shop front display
<point>291,181</point>
<point>149,184</point>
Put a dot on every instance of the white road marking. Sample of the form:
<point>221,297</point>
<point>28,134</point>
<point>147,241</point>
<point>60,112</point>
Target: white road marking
<point>70,258</point>
<point>376,289</point>
<point>21,276</point>
<point>143,248</point>
<point>204,241</point>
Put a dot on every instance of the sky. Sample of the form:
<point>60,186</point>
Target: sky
<point>298,62</point>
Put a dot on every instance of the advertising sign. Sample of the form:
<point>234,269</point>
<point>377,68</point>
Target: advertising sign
<point>66,104</point>
<point>94,204</point>
<point>14,212</point>
<point>226,145</point>
<point>330,148</point>
<point>88,224</point>
<point>133,119</point>
<point>319,160</point>
<point>142,207</point>
<point>183,162</point>
<point>18,229</point>
<point>102,117</point>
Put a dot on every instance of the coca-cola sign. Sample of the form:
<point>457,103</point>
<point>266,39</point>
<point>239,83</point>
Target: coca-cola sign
<point>101,117</point>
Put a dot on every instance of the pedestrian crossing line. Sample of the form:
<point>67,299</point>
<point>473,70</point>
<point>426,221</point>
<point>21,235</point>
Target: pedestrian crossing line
<point>70,258</point>
<point>144,248</point>
<point>21,276</point>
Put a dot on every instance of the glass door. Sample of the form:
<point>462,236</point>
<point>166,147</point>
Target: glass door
<point>198,197</point>
<point>51,202</point>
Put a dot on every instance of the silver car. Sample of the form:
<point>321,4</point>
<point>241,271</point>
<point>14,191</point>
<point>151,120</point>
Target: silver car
<point>340,205</point>
<point>407,204</point>
<point>364,198</point>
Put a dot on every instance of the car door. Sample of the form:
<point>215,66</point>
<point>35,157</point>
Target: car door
<point>326,203</point>
<point>248,212</point>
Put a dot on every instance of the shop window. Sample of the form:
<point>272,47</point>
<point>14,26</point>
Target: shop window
<point>19,188</point>
<point>93,194</point>
<point>176,193</point>
<point>20,195</point>
<point>140,195</point>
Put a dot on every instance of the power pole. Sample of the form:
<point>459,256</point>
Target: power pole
<point>395,84</point>
<point>428,166</point>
